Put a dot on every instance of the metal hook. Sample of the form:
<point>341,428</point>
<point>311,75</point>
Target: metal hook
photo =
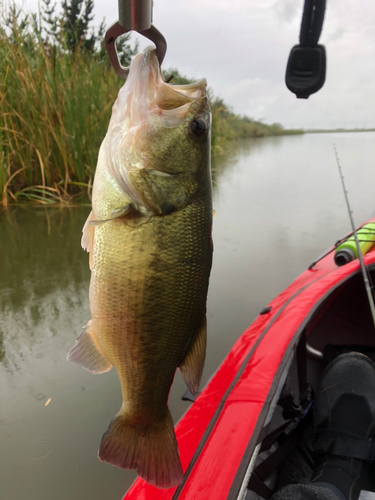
<point>117,30</point>
<point>134,15</point>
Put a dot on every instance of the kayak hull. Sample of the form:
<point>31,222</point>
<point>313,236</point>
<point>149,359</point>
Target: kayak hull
<point>219,435</point>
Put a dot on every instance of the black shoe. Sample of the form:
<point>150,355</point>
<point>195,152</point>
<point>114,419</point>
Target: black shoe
<point>344,417</point>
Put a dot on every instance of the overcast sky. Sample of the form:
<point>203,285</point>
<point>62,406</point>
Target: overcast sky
<point>242,47</point>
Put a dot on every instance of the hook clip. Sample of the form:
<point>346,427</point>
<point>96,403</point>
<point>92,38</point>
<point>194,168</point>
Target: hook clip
<point>134,15</point>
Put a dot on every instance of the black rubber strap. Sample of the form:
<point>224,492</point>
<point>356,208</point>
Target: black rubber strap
<point>302,364</point>
<point>312,22</point>
<point>273,461</point>
<point>344,444</point>
<point>258,486</point>
<point>270,439</point>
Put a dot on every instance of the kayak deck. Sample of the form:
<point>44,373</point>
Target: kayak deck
<point>219,433</point>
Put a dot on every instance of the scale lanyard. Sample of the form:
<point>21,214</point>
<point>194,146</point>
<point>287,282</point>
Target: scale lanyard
<point>363,267</point>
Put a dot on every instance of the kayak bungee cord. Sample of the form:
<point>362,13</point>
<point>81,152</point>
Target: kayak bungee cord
<point>363,267</point>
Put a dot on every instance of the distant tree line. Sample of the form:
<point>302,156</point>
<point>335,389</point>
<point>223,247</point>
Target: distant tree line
<point>68,26</point>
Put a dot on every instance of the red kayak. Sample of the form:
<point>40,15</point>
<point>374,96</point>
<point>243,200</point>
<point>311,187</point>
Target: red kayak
<point>222,437</point>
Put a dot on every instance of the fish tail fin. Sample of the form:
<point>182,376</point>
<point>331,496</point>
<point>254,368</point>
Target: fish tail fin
<point>152,451</point>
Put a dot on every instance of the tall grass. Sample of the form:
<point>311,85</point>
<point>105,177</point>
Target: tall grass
<point>55,107</point>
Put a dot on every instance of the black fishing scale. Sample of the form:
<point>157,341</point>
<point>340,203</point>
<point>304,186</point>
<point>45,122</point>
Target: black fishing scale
<point>306,68</point>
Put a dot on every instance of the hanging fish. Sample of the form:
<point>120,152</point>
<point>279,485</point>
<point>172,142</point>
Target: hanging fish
<point>149,238</point>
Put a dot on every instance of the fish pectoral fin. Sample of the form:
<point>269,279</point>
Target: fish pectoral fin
<point>115,214</point>
<point>88,353</point>
<point>152,450</point>
<point>132,216</point>
<point>88,233</point>
<point>192,365</point>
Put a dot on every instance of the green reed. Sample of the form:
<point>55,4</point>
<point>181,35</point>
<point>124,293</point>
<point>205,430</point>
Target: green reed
<point>55,106</point>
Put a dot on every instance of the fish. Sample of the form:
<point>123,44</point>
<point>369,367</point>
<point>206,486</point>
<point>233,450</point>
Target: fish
<point>150,254</point>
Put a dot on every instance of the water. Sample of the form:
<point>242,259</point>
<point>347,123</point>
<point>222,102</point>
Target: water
<point>279,205</point>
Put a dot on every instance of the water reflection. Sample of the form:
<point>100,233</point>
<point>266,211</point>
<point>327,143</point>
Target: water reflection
<point>40,248</point>
<point>228,162</point>
<point>43,276</point>
<point>279,205</point>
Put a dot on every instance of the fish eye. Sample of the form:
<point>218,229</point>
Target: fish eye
<point>198,127</point>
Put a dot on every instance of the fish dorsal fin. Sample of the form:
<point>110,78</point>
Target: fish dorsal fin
<point>88,233</point>
<point>192,366</point>
<point>88,353</point>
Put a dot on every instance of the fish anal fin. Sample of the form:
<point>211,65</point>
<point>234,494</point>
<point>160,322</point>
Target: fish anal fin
<point>88,353</point>
<point>152,450</point>
<point>192,365</point>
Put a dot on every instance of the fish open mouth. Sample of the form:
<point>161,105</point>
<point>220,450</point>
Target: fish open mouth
<point>146,92</point>
<point>146,107</point>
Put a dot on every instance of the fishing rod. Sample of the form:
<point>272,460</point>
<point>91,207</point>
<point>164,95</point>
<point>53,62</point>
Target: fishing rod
<point>363,267</point>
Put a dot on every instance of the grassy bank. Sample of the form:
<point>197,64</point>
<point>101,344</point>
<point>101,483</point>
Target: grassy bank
<point>338,130</point>
<point>228,127</point>
<point>55,106</point>
<point>54,109</point>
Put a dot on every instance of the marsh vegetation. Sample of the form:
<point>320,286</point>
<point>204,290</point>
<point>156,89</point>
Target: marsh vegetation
<point>56,93</point>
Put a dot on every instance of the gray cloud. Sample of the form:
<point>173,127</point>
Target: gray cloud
<point>288,10</point>
<point>242,46</point>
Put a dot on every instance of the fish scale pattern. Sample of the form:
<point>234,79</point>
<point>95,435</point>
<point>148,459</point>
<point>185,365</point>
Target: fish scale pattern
<point>149,238</point>
<point>148,299</point>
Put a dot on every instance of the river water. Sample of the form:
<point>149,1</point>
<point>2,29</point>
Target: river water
<point>279,204</point>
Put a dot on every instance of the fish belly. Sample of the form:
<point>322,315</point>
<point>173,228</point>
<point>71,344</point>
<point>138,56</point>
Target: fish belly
<point>148,299</point>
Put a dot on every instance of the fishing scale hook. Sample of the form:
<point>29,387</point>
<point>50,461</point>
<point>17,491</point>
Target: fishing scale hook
<point>134,15</point>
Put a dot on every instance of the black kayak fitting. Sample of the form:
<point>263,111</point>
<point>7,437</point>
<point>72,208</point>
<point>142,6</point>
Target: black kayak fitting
<point>306,68</point>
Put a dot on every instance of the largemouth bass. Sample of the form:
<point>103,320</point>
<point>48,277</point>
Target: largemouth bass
<point>149,238</point>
